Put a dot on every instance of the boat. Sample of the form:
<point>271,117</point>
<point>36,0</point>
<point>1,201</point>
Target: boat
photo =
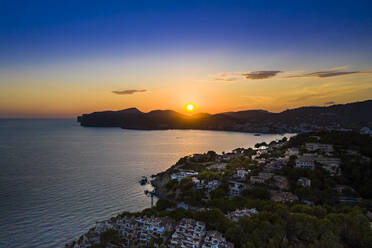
<point>143,180</point>
<point>257,134</point>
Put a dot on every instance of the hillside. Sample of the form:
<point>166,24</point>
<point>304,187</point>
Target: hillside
<point>351,116</point>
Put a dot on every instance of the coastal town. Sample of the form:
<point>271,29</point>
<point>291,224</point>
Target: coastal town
<point>209,200</point>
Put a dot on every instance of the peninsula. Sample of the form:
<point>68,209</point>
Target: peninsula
<point>352,116</point>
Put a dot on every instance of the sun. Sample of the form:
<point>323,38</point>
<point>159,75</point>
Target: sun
<point>190,107</point>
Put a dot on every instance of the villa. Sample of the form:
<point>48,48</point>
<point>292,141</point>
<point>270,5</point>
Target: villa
<point>199,184</point>
<point>261,178</point>
<point>236,188</point>
<point>213,185</point>
<point>239,213</point>
<point>306,162</point>
<point>319,147</point>
<point>241,174</point>
<point>183,174</point>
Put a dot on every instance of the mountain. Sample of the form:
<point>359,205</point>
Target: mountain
<point>350,116</point>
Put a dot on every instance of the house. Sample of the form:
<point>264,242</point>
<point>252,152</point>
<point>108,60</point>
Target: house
<point>199,184</point>
<point>213,185</point>
<point>183,174</point>
<point>183,205</point>
<point>319,147</point>
<point>236,188</point>
<point>304,182</point>
<point>306,162</point>
<point>261,178</point>
<point>195,180</point>
<point>241,174</point>
<point>276,164</point>
<point>239,213</point>
<point>331,164</point>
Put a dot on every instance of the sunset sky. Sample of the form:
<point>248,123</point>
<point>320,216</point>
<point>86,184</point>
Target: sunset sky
<point>63,58</point>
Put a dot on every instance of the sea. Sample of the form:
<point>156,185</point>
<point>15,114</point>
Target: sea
<point>57,179</point>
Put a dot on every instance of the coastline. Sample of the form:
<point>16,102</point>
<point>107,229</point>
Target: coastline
<point>200,186</point>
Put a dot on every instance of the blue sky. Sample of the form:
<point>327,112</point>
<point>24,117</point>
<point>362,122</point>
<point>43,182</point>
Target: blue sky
<point>71,29</point>
<point>45,40</point>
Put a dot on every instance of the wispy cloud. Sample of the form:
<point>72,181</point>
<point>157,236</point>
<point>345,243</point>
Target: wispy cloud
<point>260,74</point>
<point>127,92</point>
<point>325,74</point>
<point>226,77</point>
<point>256,75</point>
<point>311,95</point>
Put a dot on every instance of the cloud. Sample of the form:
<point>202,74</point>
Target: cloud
<point>127,92</point>
<point>301,97</point>
<point>260,74</point>
<point>325,74</point>
<point>329,103</point>
<point>255,75</point>
<point>225,77</point>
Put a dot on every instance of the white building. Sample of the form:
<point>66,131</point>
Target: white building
<point>261,178</point>
<point>213,185</point>
<point>236,188</point>
<point>183,174</point>
<point>200,184</point>
<point>306,162</point>
<point>319,147</point>
<point>239,213</point>
<point>242,173</point>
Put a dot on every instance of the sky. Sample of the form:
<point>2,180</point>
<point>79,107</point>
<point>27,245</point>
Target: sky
<point>59,59</point>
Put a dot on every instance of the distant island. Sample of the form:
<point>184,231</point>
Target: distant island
<point>313,190</point>
<point>351,116</point>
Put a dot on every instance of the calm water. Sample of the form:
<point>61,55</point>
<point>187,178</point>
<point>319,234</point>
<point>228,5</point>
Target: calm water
<point>57,178</point>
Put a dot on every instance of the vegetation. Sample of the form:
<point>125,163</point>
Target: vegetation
<point>281,225</point>
<point>110,236</point>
